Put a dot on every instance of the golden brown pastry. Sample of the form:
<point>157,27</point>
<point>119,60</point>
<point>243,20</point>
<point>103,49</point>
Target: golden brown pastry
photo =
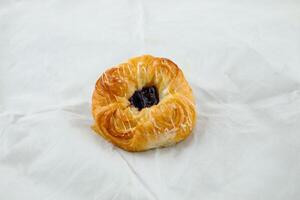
<point>143,104</point>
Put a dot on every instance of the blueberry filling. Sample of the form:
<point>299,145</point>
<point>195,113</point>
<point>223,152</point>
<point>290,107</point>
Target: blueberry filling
<point>146,97</point>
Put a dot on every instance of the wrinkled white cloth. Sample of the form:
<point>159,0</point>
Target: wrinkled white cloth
<point>241,58</point>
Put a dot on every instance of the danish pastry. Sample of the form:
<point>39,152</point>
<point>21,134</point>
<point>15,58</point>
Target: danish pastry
<point>143,104</point>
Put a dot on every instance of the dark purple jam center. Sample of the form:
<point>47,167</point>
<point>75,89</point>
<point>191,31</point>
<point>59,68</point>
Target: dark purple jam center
<point>146,97</point>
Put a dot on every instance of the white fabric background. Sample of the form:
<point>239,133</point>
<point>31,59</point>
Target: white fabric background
<point>242,59</point>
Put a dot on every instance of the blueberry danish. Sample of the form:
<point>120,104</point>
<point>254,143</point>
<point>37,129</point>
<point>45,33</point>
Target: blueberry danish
<point>142,104</point>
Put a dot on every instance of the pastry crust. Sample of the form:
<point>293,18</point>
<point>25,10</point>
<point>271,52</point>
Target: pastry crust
<point>164,124</point>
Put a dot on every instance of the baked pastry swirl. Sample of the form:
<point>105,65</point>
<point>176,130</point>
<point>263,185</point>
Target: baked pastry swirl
<point>143,104</point>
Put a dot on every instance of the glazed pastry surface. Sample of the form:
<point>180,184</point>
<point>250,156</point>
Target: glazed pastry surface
<point>143,104</point>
